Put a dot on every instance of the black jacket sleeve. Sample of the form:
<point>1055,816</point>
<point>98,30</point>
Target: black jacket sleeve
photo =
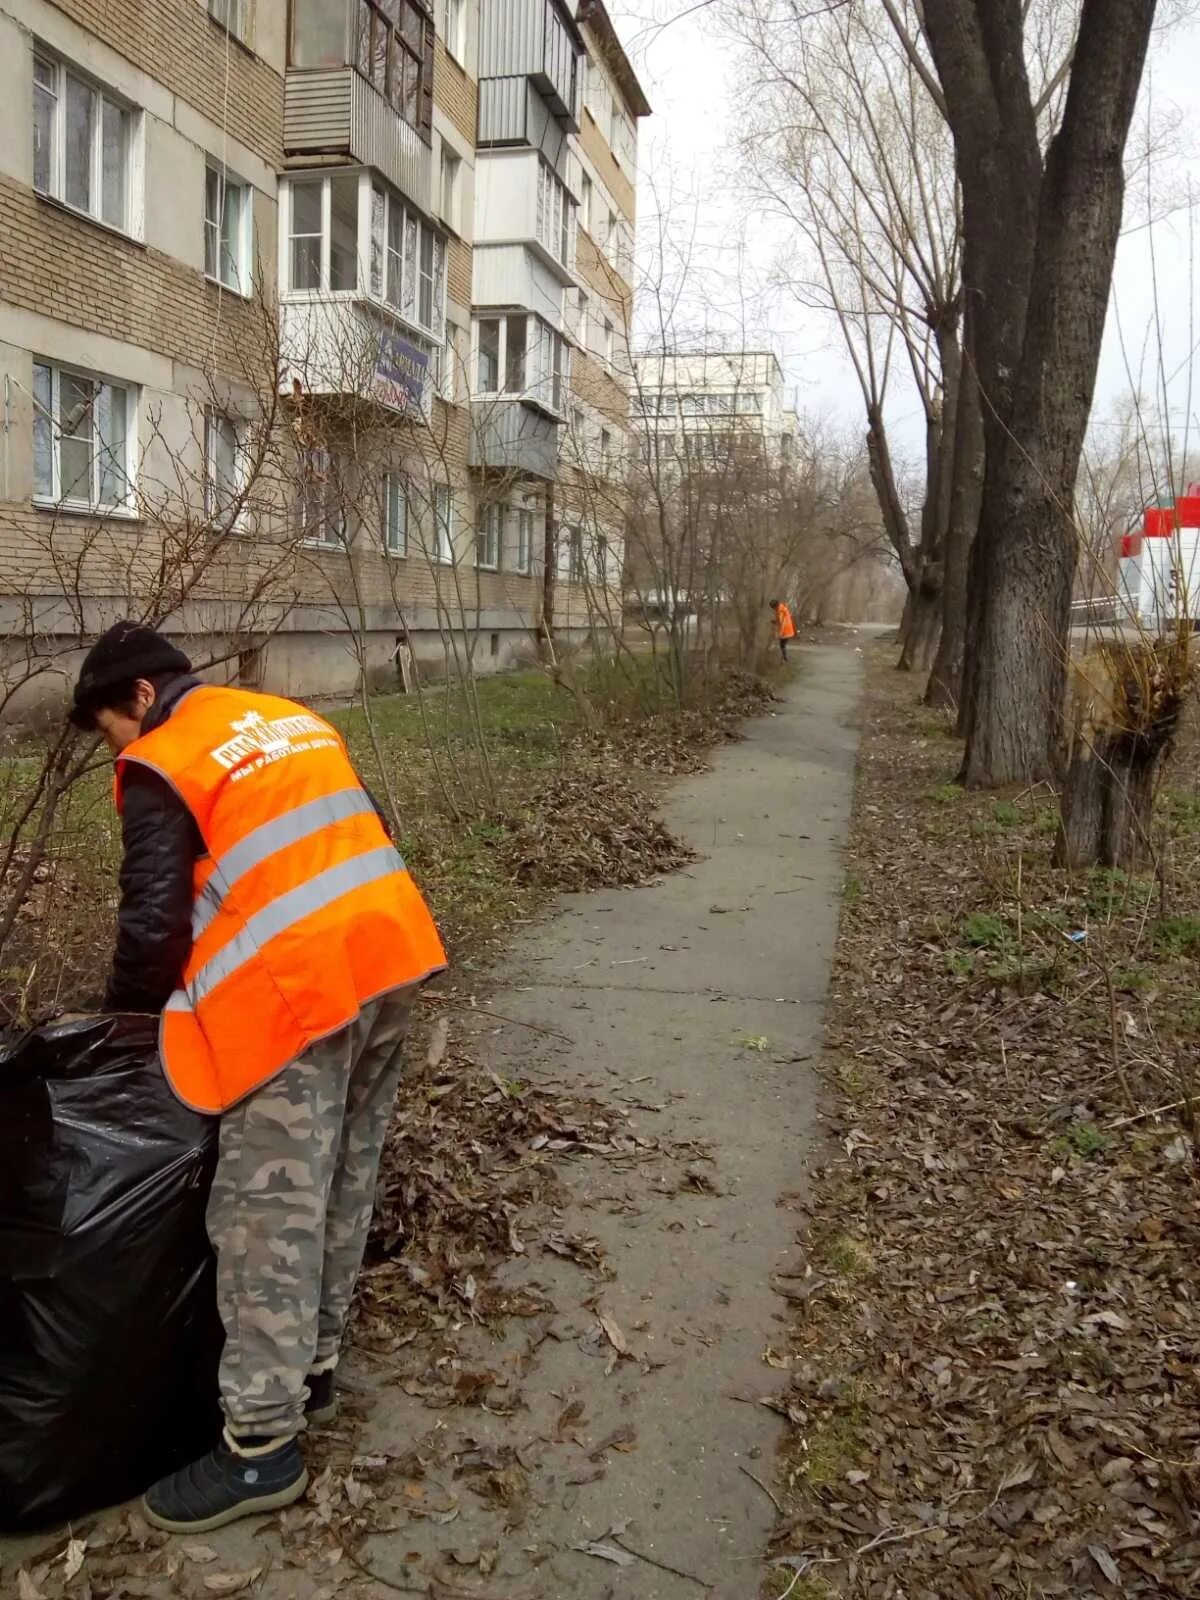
<point>154,923</point>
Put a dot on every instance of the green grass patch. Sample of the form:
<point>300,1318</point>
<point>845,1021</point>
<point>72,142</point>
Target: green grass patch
<point>946,794</point>
<point>1087,1141</point>
<point>833,1447</point>
<point>1178,936</point>
<point>983,930</point>
<point>844,1255</point>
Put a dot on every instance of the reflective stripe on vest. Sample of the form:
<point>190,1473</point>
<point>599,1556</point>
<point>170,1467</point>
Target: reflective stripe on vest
<point>281,914</point>
<point>265,840</point>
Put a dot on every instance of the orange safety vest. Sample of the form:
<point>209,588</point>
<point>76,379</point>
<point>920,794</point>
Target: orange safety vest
<point>303,911</point>
<point>785,628</point>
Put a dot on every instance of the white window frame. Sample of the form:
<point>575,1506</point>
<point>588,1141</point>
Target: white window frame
<point>576,559</point>
<point>236,17</point>
<point>51,417</point>
<point>382,217</point>
<point>606,341</point>
<point>229,185</point>
<point>241,464</point>
<point>489,540</point>
<point>450,187</point>
<point>523,560</point>
<point>326,536</point>
<point>56,188</point>
<point>443,524</point>
<point>555,220</point>
<point>587,191</point>
<point>395,499</point>
<point>456,30</point>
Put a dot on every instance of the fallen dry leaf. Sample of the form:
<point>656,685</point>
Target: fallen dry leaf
<point>613,1334</point>
<point>230,1582</point>
<point>199,1553</point>
<point>605,1552</point>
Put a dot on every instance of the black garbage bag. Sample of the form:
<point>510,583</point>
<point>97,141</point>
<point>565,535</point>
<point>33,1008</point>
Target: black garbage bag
<point>109,1336</point>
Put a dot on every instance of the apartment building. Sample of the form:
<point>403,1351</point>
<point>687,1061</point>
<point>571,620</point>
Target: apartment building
<point>255,258</point>
<point>697,407</point>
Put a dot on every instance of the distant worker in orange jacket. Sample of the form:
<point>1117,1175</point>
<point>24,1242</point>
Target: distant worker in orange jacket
<point>267,917</point>
<point>785,628</point>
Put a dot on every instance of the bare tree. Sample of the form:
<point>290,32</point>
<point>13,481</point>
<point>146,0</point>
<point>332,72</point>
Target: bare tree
<point>1040,235</point>
<point>848,146</point>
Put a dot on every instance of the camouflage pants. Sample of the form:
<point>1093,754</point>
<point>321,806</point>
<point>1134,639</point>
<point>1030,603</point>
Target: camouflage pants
<point>290,1208</point>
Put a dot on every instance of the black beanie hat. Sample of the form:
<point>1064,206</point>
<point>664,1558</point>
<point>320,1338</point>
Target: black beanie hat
<point>128,650</point>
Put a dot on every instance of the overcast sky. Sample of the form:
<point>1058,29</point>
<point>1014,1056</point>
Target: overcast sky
<point>689,72</point>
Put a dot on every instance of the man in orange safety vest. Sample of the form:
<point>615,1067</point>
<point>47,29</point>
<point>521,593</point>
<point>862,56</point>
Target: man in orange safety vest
<point>785,628</point>
<point>267,917</point>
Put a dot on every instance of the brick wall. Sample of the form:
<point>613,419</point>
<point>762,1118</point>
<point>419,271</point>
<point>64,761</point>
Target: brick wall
<point>454,93</point>
<point>611,174</point>
<point>458,271</point>
<point>176,43</point>
<point>52,261</point>
<point>602,281</point>
<point>597,387</point>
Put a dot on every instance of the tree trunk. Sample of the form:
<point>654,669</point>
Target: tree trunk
<point>1108,802</point>
<point>1027,534</point>
<point>945,686</point>
<point>979,54</point>
<point>546,650</point>
<point>922,626</point>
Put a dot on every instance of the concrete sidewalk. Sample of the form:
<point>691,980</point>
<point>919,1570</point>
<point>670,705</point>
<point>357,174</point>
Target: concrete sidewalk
<point>704,991</point>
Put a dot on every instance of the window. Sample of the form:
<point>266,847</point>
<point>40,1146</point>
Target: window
<point>407,258</point>
<point>555,230</point>
<point>392,48</point>
<point>605,450</point>
<point>514,356</point>
<point>82,144</point>
<point>83,439</point>
<point>521,355</point>
<point>456,29</point>
<point>408,262</point>
<point>451,183</point>
<point>318,34</point>
<point>233,15</point>
<point>489,539</point>
<point>524,560</point>
<point>343,233</point>
<point>489,355</point>
<point>691,405</point>
<point>443,524</point>
<point>226,219</point>
<point>606,341</point>
<point>224,466</point>
<point>585,203</point>
<point>575,568</point>
<point>307,232</point>
<point>395,514</point>
<point>319,515</point>
<point>581,334</point>
<point>749,400</point>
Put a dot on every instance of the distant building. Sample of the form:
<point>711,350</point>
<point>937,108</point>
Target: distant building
<point>699,406</point>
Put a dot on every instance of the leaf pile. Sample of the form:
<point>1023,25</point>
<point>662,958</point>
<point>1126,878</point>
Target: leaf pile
<point>591,829</point>
<point>466,1182</point>
<point>995,1375</point>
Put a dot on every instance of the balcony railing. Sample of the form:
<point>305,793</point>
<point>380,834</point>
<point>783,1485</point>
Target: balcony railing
<point>508,435</point>
<point>342,344</point>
